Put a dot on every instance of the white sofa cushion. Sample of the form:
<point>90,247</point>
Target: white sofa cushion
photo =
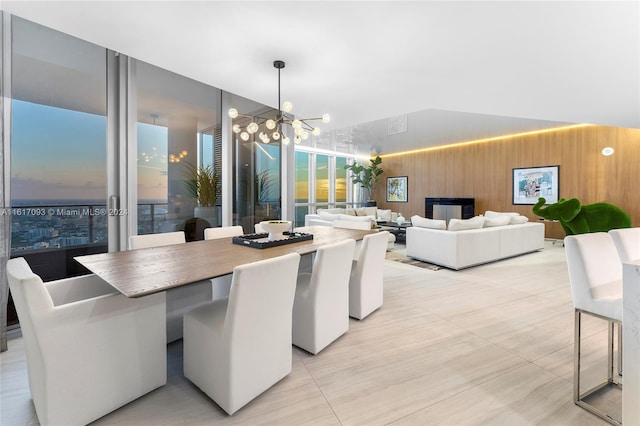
<point>367,211</point>
<point>465,224</point>
<point>499,220</point>
<point>490,213</point>
<point>336,210</point>
<point>425,222</point>
<point>517,220</point>
<point>329,216</point>
<point>355,218</point>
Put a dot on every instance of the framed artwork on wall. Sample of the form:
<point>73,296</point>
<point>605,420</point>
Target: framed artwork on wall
<point>531,183</point>
<point>397,189</point>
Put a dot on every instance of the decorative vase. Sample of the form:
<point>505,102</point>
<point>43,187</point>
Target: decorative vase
<point>210,214</point>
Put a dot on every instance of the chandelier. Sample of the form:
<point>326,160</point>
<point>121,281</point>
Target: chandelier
<point>269,129</point>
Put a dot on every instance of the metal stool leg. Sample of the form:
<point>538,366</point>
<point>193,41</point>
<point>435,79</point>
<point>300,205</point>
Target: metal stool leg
<point>620,350</point>
<point>579,398</point>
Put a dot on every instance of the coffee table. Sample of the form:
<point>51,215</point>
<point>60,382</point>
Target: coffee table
<point>397,229</point>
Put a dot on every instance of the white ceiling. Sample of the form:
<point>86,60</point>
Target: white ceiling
<point>361,61</point>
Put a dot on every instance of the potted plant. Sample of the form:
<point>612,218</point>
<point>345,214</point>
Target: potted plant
<point>367,177</point>
<point>202,184</point>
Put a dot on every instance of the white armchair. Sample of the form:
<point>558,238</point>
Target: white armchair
<point>627,241</point>
<point>179,299</point>
<point>89,349</point>
<point>237,348</point>
<point>365,285</point>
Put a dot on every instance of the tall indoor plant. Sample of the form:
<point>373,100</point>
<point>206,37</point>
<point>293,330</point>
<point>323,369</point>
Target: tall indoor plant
<point>366,176</point>
<point>202,183</point>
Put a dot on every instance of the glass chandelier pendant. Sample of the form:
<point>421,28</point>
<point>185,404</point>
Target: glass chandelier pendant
<point>269,129</point>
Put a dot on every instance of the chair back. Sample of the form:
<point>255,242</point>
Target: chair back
<point>627,242</point>
<point>156,240</point>
<point>194,229</point>
<point>366,291</point>
<point>259,311</point>
<point>33,304</point>
<point>595,271</point>
<point>372,253</point>
<point>352,224</point>
<point>330,275</point>
<point>222,232</point>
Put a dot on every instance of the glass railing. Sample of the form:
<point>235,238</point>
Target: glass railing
<point>51,226</point>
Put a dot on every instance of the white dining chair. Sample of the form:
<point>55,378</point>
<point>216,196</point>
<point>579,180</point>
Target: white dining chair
<point>352,224</point>
<point>595,274</point>
<point>365,285</point>
<point>237,348</point>
<point>90,350</point>
<point>221,285</point>
<point>321,306</point>
<point>258,229</point>
<point>179,299</point>
<point>222,232</point>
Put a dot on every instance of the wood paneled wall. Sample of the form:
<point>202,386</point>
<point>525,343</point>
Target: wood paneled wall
<point>484,171</point>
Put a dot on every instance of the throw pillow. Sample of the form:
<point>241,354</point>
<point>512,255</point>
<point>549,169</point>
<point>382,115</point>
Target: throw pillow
<point>328,216</point>
<point>499,220</point>
<point>515,220</point>
<point>464,224</point>
<point>367,211</point>
<point>350,212</point>
<point>336,210</point>
<point>424,222</point>
<point>490,213</point>
<point>384,215</point>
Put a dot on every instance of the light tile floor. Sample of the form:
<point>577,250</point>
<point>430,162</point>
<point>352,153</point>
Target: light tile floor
<point>489,345</point>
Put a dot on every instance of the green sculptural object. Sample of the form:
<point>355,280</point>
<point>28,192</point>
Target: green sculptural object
<point>578,219</point>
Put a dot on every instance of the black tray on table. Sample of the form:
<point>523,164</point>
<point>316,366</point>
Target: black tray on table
<point>260,240</point>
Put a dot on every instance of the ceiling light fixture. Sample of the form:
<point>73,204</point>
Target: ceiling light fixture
<point>269,129</point>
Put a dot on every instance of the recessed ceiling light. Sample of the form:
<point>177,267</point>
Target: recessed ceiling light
<point>607,151</point>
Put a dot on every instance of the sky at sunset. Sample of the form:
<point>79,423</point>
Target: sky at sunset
<point>59,154</point>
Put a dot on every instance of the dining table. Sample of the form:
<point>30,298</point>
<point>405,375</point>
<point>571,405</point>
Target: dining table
<point>140,272</point>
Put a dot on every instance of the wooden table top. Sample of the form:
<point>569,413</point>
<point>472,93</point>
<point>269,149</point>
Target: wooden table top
<point>141,272</point>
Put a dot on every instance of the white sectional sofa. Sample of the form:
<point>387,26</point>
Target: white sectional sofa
<point>469,247</point>
<point>326,217</point>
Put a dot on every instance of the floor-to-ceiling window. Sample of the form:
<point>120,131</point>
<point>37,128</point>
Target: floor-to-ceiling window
<point>301,174</point>
<point>58,141</point>
<point>177,123</point>
<point>81,119</point>
<point>341,192</point>
<point>256,169</point>
<point>321,181</point>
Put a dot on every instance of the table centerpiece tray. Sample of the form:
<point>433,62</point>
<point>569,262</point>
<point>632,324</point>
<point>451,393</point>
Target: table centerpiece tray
<point>261,241</point>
